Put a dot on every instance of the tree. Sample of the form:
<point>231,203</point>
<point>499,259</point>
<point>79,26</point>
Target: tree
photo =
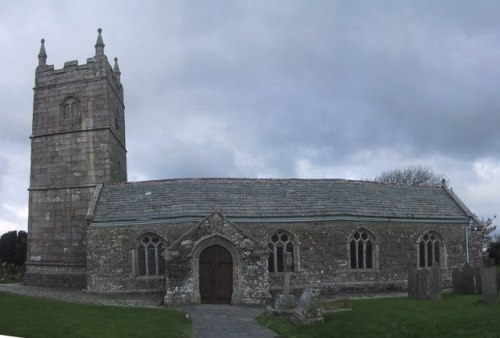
<point>8,246</point>
<point>13,247</point>
<point>494,249</point>
<point>413,175</point>
<point>493,241</point>
<point>21,248</point>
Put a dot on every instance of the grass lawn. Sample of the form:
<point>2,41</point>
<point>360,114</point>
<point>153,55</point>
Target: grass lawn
<point>454,316</point>
<point>38,317</point>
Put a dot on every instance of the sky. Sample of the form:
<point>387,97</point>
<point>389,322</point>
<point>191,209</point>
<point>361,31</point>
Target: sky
<point>273,89</point>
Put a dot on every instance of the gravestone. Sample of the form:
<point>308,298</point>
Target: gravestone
<point>284,302</point>
<point>489,284</point>
<point>425,284</point>
<point>412,284</point>
<point>457,281</point>
<point>308,309</point>
<point>468,279</point>
<point>422,284</point>
<point>435,282</point>
<point>286,275</point>
<point>477,279</point>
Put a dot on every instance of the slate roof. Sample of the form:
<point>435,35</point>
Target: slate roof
<point>272,198</point>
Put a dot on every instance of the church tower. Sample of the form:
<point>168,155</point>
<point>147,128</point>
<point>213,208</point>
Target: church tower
<point>77,142</point>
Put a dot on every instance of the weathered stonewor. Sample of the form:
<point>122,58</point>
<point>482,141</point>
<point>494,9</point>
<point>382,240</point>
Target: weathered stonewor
<point>468,279</point>
<point>489,284</point>
<point>308,310</point>
<point>457,281</point>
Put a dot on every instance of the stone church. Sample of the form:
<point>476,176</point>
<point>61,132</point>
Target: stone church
<point>211,240</point>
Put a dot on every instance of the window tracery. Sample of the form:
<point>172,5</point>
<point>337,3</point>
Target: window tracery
<point>281,243</point>
<point>430,248</point>
<point>362,250</point>
<point>149,260</point>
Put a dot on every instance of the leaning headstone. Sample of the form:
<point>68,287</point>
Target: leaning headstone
<point>489,286</point>
<point>457,282</point>
<point>435,282</point>
<point>422,285</point>
<point>468,277</point>
<point>412,284</point>
<point>308,309</point>
<point>477,279</point>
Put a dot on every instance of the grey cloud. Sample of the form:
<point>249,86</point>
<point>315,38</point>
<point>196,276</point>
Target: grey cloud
<point>284,81</point>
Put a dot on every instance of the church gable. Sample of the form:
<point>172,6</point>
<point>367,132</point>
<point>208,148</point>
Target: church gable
<point>216,225</point>
<point>244,270</point>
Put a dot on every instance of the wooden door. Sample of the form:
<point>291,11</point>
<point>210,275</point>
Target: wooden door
<point>216,275</point>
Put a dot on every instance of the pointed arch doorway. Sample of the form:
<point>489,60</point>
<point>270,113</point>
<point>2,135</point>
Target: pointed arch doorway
<point>216,275</point>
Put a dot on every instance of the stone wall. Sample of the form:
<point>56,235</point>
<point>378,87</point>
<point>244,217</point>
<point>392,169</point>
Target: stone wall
<point>323,247</point>
<point>111,263</point>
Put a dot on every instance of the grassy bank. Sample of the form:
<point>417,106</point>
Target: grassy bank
<point>38,317</point>
<point>454,316</point>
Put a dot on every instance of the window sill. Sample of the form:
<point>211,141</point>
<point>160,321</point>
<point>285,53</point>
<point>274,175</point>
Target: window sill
<point>277,274</point>
<point>364,270</point>
<point>150,277</point>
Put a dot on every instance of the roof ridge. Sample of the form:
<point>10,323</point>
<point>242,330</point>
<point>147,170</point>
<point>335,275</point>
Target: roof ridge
<point>255,179</point>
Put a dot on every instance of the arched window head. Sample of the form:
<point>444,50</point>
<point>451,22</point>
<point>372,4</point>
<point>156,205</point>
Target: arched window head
<point>284,252</point>
<point>149,260</point>
<point>430,248</point>
<point>362,250</point>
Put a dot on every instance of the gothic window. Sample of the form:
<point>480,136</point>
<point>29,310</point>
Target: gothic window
<point>149,260</point>
<point>362,250</point>
<point>430,248</point>
<point>70,110</point>
<point>281,243</point>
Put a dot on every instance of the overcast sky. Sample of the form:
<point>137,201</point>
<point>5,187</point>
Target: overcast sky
<point>306,89</point>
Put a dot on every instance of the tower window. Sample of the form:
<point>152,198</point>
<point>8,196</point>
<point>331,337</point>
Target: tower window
<point>70,110</point>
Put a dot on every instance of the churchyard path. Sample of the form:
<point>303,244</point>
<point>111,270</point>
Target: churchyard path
<point>208,321</point>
